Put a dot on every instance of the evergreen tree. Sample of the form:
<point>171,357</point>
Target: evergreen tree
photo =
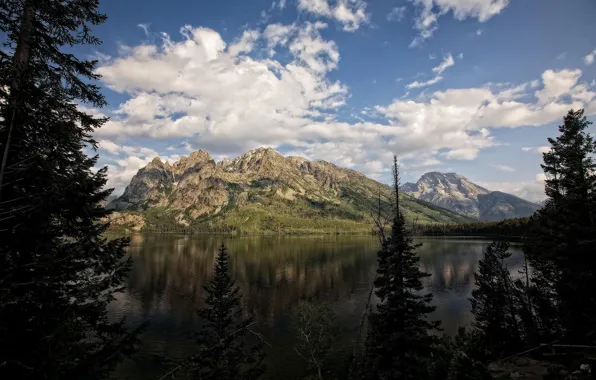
<point>493,302</point>
<point>399,344</point>
<point>223,350</point>
<point>57,271</point>
<point>461,357</point>
<point>563,246</point>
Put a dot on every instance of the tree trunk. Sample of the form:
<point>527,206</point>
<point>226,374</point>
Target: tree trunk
<point>19,65</point>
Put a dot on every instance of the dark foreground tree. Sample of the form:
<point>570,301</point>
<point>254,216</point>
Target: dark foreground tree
<point>494,302</point>
<point>461,357</point>
<point>224,352</point>
<point>317,332</point>
<point>562,249</point>
<point>400,340</point>
<point>57,271</point>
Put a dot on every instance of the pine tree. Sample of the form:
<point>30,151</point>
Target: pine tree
<point>57,271</point>
<point>399,344</point>
<point>563,246</point>
<point>493,302</point>
<point>224,353</point>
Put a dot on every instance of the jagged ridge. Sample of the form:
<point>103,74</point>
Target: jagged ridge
<point>262,191</point>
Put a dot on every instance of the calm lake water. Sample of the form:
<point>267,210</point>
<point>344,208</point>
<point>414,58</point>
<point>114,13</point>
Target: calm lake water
<point>274,273</point>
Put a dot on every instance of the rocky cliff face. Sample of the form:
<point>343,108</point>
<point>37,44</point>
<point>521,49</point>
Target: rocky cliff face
<point>260,189</point>
<point>455,192</point>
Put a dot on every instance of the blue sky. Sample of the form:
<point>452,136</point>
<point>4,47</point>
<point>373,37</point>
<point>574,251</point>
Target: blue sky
<point>471,86</point>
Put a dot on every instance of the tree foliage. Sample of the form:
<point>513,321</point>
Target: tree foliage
<point>57,271</point>
<point>400,340</point>
<point>563,243</point>
<point>316,332</point>
<point>224,353</point>
<point>493,305</point>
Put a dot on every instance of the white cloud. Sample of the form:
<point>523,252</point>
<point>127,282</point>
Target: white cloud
<point>145,28</point>
<point>396,14</point>
<point>350,13</point>
<point>447,62</point>
<point>540,149</point>
<point>468,153</point>
<point>479,32</point>
<point>116,149</point>
<point>429,12</point>
<point>197,87</point>
<point>319,55</point>
<point>282,4</point>
<point>511,93</point>
<point>504,168</point>
<point>532,190</point>
<point>561,56</point>
<point>589,58</point>
<point>245,43</point>
<point>563,83</point>
<point>430,82</point>
<point>541,178</point>
<point>202,91</point>
<point>279,34</point>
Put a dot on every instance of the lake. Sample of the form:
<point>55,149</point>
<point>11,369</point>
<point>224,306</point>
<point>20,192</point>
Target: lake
<point>274,273</point>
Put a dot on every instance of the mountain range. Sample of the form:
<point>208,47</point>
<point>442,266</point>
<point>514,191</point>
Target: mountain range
<point>456,193</point>
<point>260,191</point>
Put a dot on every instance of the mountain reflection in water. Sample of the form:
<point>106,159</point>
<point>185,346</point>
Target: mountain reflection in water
<point>274,273</point>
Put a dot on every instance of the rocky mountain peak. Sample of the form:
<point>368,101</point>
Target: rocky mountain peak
<point>261,188</point>
<point>455,192</point>
<point>156,163</point>
<point>195,160</point>
<point>200,156</point>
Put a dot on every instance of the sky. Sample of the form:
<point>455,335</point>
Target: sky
<point>468,86</point>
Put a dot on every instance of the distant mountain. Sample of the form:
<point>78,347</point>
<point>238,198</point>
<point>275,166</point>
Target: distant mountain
<point>259,191</point>
<point>456,193</point>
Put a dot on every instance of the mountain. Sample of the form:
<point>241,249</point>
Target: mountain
<point>257,192</point>
<point>456,193</point>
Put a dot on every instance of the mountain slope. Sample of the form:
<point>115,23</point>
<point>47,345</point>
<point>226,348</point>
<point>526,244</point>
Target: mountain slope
<point>455,192</point>
<point>257,192</point>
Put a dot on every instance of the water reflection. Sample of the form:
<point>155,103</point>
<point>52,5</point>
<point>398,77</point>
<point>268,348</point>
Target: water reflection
<point>274,273</point>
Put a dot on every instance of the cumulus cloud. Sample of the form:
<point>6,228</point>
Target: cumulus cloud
<point>557,84</point>
<point>245,43</point>
<point>589,58</point>
<point>396,14</point>
<point>429,12</point>
<point>278,34</point>
<point>350,13</point>
<point>214,95</point>
<point>198,87</point>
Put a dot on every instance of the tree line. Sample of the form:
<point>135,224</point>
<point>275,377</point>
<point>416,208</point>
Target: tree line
<point>58,273</point>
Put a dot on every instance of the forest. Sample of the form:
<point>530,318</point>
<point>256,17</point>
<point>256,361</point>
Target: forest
<point>59,273</point>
